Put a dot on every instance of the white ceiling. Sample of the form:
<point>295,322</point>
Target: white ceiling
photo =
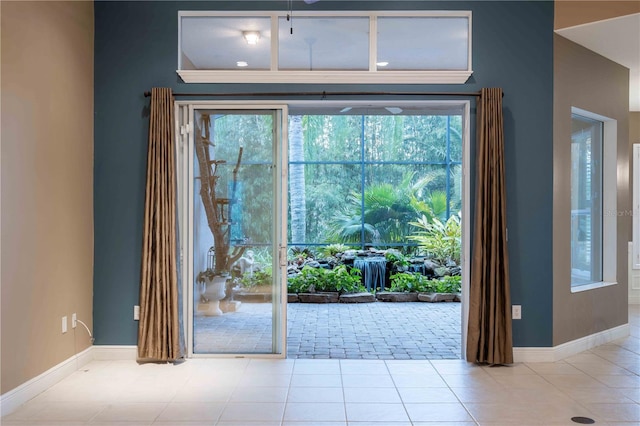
<point>617,39</point>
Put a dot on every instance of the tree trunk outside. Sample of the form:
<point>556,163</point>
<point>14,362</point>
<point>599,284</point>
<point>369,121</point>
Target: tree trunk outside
<point>216,207</point>
<point>297,197</point>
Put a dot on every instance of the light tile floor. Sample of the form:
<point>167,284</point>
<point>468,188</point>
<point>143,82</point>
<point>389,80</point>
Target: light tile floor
<point>602,384</point>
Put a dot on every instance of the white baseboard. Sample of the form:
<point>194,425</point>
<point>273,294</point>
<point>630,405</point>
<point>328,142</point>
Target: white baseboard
<point>28,390</point>
<point>568,349</point>
<point>115,352</point>
<point>16,397</point>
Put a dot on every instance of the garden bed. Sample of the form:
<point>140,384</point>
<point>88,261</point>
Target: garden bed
<point>366,297</point>
<point>355,276</point>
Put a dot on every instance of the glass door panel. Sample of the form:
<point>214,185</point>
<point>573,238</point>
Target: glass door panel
<point>236,276</point>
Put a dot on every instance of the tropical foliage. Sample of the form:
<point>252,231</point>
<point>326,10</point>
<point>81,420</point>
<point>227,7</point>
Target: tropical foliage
<point>257,278</point>
<point>333,249</point>
<point>440,241</point>
<point>413,282</point>
<point>367,176</point>
<point>398,260</point>
<point>341,279</point>
<point>408,282</point>
<point>447,284</point>
<point>356,179</point>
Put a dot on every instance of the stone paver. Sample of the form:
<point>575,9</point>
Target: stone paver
<point>412,330</point>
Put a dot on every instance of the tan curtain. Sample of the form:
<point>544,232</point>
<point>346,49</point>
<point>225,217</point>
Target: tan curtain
<point>489,337</point>
<point>158,331</point>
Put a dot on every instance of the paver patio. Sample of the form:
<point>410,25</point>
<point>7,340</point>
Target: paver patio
<point>412,330</point>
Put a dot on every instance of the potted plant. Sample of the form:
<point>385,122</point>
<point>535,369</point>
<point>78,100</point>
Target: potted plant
<point>213,292</point>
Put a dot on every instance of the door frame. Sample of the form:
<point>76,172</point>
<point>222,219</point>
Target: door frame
<point>182,136</point>
<point>184,112</point>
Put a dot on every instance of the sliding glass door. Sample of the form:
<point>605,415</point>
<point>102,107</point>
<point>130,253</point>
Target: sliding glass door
<point>236,244</point>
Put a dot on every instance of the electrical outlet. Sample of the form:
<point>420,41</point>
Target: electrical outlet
<point>136,312</point>
<point>74,320</point>
<point>516,312</point>
<point>64,325</point>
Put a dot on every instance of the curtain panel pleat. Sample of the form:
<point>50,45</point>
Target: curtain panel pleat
<point>159,337</point>
<point>489,338</point>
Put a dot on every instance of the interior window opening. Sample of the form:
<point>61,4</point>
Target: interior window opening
<point>586,200</point>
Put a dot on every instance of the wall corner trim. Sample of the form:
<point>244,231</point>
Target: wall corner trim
<point>14,398</point>
<point>571,348</point>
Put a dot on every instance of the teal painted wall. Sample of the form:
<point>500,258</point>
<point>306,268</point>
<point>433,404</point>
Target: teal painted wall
<point>136,49</point>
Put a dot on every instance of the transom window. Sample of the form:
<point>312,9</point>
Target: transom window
<point>325,47</point>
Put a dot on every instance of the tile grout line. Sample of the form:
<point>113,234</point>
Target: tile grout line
<point>476,421</point>
<point>395,386</point>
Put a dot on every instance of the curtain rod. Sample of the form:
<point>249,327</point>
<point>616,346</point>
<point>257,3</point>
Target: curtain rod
<point>323,95</point>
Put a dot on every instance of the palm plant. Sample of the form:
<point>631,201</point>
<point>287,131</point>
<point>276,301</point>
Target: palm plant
<point>348,228</point>
<point>388,210</point>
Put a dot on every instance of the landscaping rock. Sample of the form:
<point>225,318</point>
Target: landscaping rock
<point>441,271</point>
<point>430,268</point>
<point>349,255</point>
<point>292,298</point>
<point>249,296</point>
<point>436,297</point>
<point>363,297</point>
<point>392,296</point>
<point>318,297</point>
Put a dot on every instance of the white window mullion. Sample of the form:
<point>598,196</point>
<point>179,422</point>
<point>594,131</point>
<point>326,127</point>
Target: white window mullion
<point>275,34</point>
<point>373,43</point>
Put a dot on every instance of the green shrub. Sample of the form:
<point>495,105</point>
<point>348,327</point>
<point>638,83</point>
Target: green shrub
<point>297,285</point>
<point>340,279</point>
<point>345,280</point>
<point>452,284</point>
<point>309,278</point>
<point>257,278</point>
<point>445,285</point>
<point>408,282</point>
